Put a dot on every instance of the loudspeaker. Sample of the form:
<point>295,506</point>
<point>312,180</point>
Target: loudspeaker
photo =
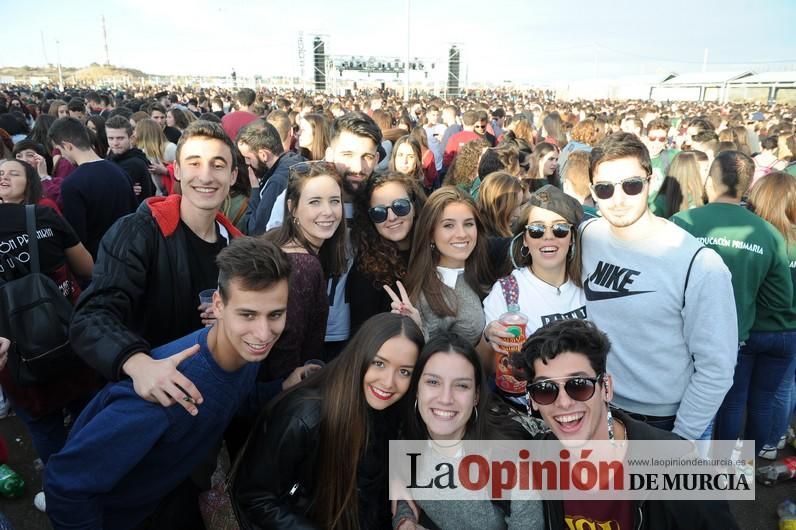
<point>319,63</point>
<point>454,61</point>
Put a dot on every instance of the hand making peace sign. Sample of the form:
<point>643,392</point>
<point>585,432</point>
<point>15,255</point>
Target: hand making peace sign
<point>401,305</point>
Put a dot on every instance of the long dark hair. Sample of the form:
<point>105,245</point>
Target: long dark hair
<point>344,418</point>
<point>490,420</point>
<point>378,258</point>
<point>332,253</point>
<point>33,189</point>
<point>421,278</point>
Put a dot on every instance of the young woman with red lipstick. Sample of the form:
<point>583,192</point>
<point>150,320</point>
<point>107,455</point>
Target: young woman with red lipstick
<point>318,456</point>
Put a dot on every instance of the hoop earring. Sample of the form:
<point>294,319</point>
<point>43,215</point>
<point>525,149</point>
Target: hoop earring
<point>416,408</point>
<point>475,412</point>
<point>433,246</point>
<point>511,250</point>
<point>296,221</point>
<point>524,251</point>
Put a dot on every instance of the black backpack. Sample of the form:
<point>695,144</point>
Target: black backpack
<point>35,315</point>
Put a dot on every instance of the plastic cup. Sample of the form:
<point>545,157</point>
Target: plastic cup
<point>313,362</point>
<point>206,296</point>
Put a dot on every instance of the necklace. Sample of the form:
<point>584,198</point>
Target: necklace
<point>556,287</point>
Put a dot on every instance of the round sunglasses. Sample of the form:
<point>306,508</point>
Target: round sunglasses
<point>400,207</point>
<point>631,186</point>
<point>577,387</point>
<point>537,230</point>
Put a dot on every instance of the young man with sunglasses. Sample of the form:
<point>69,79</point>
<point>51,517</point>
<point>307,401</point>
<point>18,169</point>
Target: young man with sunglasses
<point>657,141</point>
<point>569,385</point>
<point>664,299</point>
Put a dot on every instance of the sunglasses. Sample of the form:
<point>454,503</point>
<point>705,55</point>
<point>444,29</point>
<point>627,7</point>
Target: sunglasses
<point>537,230</point>
<point>318,166</point>
<point>657,138</point>
<point>631,186</point>
<point>400,207</point>
<point>577,387</point>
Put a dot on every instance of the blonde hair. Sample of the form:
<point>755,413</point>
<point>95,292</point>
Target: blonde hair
<point>576,172</point>
<point>150,139</point>
<point>685,170</point>
<point>774,199</point>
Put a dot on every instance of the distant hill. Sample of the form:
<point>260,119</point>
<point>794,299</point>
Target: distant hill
<point>94,71</point>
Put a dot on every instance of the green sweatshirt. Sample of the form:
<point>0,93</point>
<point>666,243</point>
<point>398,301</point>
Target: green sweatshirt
<point>753,250</point>
<point>768,320</point>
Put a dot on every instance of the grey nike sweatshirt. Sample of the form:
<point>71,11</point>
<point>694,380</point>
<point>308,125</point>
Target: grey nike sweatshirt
<point>673,348</point>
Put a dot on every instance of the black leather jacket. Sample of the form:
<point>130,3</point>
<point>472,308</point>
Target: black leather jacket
<point>275,479</point>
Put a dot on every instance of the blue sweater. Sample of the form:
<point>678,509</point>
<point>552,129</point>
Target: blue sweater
<point>125,454</point>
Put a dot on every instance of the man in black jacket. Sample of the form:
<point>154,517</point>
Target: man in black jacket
<point>131,159</point>
<point>564,366</point>
<point>150,269</point>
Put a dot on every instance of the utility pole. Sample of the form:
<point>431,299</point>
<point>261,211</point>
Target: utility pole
<point>406,65</point>
<point>105,40</point>
<point>60,73</point>
<point>44,48</point>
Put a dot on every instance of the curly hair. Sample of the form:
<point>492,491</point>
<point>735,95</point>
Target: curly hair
<point>378,257</point>
<point>464,167</point>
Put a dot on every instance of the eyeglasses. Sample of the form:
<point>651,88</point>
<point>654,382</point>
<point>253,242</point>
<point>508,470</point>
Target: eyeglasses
<point>577,387</point>
<point>319,167</point>
<point>631,186</point>
<point>657,138</point>
<point>537,230</point>
<point>400,207</point>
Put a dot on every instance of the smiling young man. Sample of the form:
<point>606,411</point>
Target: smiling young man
<point>565,367</point>
<point>125,454</point>
<point>664,299</point>
<point>151,268</point>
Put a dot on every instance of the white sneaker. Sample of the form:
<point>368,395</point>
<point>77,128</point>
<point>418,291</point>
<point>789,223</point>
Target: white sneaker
<point>782,441</point>
<point>769,453</point>
<point>39,503</point>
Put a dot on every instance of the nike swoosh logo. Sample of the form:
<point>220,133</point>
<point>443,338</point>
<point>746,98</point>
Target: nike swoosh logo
<point>593,296</point>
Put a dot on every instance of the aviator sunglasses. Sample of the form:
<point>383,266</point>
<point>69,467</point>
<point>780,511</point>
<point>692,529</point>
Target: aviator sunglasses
<point>631,186</point>
<point>536,230</point>
<point>400,207</point>
<point>579,388</point>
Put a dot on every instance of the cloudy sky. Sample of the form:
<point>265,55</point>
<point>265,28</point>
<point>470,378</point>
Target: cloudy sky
<point>519,40</point>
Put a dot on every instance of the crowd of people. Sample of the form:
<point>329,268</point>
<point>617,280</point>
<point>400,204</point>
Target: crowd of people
<point>301,278</point>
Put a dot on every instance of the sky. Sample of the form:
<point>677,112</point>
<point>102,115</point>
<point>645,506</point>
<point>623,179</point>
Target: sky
<point>523,41</point>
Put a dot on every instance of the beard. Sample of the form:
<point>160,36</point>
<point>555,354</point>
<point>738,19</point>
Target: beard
<point>353,189</point>
<point>260,170</point>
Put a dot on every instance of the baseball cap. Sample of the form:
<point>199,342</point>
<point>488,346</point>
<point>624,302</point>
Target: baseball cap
<point>551,198</point>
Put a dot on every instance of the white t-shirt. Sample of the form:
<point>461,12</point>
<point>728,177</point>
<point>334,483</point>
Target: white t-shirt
<point>539,301</point>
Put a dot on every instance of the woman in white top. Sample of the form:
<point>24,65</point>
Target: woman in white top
<point>548,274</point>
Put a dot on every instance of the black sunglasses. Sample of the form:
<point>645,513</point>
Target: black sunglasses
<point>400,207</point>
<point>578,387</point>
<point>631,186</point>
<point>537,230</point>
